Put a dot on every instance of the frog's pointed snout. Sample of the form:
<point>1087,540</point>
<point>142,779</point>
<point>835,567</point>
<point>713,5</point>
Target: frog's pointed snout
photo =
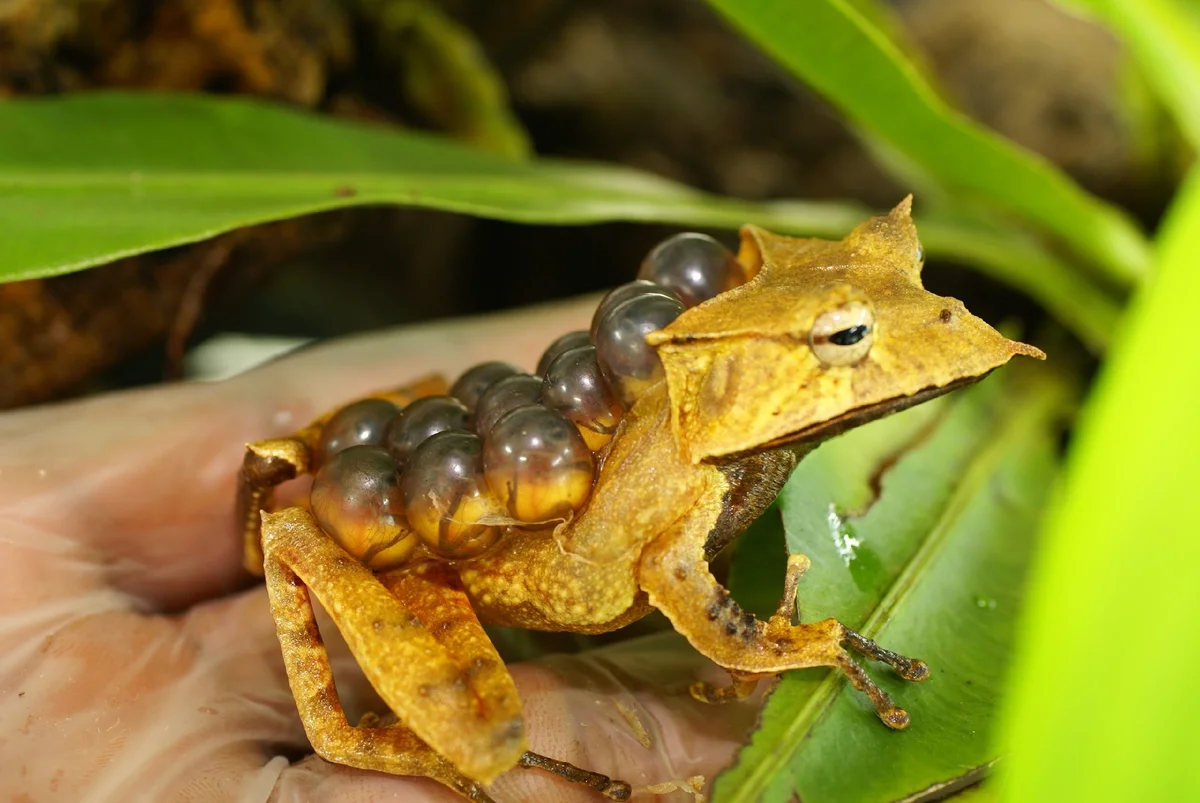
<point>1017,347</point>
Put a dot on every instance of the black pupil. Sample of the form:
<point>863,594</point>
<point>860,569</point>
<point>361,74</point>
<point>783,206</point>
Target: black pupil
<point>848,337</point>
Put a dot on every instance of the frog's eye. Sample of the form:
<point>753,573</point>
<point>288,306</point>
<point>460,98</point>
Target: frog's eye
<point>843,335</point>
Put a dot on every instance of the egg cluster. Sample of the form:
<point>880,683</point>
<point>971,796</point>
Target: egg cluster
<point>504,447</point>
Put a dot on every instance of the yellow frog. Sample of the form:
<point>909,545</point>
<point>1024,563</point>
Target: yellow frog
<point>822,336</point>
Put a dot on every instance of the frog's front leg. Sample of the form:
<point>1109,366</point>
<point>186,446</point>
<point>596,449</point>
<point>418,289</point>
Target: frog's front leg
<point>675,576</point>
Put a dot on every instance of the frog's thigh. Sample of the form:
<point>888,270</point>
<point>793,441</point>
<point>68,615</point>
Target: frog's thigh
<point>677,579</point>
<point>434,593</point>
<point>476,726</point>
<point>269,463</point>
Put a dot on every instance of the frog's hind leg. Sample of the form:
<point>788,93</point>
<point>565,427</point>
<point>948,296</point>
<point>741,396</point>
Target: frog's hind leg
<point>434,592</point>
<point>270,463</point>
<point>613,790</point>
<point>675,575</point>
<point>461,720</point>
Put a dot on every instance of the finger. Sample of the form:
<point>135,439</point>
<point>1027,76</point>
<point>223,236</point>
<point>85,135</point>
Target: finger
<point>145,481</point>
<point>113,705</point>
<point>623,711</point>
<point>118,706</point>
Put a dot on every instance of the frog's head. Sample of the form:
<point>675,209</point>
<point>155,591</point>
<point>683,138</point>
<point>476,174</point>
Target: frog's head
<point>825,336</point>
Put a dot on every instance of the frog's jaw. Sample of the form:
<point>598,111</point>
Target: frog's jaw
<point>836,426</point>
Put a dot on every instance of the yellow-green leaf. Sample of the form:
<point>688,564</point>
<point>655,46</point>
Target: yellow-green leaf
<point>1103,702</point>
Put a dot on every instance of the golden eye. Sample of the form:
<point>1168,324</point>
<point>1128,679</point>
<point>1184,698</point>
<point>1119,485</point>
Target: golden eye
<point>843,336</point>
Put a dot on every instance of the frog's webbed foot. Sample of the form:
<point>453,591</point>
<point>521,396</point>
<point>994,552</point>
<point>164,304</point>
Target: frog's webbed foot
<point>613,790</point>
<point>677,579</point>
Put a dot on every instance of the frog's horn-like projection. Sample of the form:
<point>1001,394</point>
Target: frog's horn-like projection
<point>888,239</point>
<point>766,363</point>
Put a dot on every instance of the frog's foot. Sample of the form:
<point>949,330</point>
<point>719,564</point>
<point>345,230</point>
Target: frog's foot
<point>824,644</point>
<point>789,603</point>
<point>908,668</point>
<point>613,790</point>
<point>740,687</point>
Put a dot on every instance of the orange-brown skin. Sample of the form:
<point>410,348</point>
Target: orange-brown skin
<point>695,460</point>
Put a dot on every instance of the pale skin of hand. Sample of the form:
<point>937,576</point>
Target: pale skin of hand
<point>138,662</point>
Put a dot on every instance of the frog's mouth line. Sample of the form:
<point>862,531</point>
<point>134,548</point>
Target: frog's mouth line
<point>815,434</point>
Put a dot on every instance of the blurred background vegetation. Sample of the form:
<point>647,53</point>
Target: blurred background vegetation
<point>663,86</point>
<point>1045,143</point>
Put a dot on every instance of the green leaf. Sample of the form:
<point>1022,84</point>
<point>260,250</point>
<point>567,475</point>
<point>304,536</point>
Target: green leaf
<point>1103,704</point>
<point>88,179</point>
<point>932,566</point>
<point>835,49</point>
<point>1164,36</point>
<point>756,571</point>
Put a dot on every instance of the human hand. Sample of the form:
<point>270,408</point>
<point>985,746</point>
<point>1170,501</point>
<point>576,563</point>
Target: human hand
<point>135,664</point>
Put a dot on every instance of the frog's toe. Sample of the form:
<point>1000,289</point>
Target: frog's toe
<point>895,718</point>
<point>908,668</point>
<point>916,670</point>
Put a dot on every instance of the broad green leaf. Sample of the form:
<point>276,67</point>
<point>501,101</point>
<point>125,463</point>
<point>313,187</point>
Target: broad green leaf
<point>1164,36</point>
<point>920,529</point>
<point>1103,703</point>
<point>91,178</point>
<point>836,50</point>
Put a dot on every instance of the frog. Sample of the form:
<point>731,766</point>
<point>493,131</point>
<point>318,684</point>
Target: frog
<point>821,337</point>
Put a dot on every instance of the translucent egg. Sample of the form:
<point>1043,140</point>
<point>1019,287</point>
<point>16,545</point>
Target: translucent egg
<point>446,498</point>
<point>506,394</point>
<point>622,293</point>
<point>694,266</point>
<point>629,365</point>
<point>565,343</point>
<point>420,420</point>
<point>359,424</point>
<point>574,386</point>
<point>356,500</point>
<point>475,380</point>
<point>537,464</point>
